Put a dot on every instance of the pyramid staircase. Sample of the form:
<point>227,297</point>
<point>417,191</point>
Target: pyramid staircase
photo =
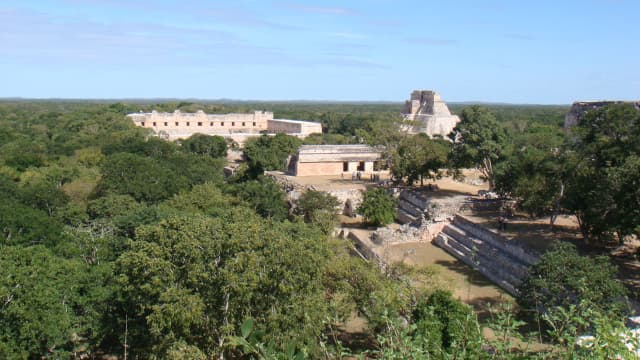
<point>504,263</point>
<point>411,207</point>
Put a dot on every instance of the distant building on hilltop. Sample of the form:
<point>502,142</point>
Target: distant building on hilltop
<point>580,109</point>
<point>236,126</point>
<point>430,114</point>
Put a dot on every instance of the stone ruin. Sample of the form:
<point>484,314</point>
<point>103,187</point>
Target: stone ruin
<point>579,110</point>
<point>415,208</point>
<point>404,234</point>
<point>430,114</point>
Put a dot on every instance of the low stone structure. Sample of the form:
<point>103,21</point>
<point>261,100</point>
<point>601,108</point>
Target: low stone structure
<point>580,109</point>
<point>415,208</point>
<point>312,160</point>
<point>430,114</point>
<point>236,126</point>
<point>349,198</point>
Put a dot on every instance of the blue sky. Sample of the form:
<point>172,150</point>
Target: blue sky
<point>547,52</point>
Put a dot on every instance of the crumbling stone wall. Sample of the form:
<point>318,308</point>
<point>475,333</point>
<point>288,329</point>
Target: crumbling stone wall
<point>580,109</point>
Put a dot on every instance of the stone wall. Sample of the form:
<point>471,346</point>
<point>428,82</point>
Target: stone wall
<point>580,109</point>
<point>330,160</point>
<point>300,128</point>
<point>235,126</point>
<point>314,169</point>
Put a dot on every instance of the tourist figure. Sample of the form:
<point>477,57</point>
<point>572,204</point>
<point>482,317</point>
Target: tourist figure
<point>353,176</point>
<point>502,222</point>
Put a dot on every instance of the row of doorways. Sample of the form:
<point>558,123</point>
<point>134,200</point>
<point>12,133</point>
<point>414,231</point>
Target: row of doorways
<point>345,166</point>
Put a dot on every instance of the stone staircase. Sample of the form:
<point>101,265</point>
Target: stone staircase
<point>411,208</point>
<point>504,263</point>
<point>414,207</point>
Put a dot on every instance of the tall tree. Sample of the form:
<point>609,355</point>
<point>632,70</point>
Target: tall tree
<point>49,306</point>
<point>209,275</point>
<point>603,169</point>
<point>143,178</point>
<point>418,157</point>
<point>319,208</point>
<point>214,146</point>
<point>532,171</point>
<point>563,279</point>
<point>270,152</point>
<point>478,141</point>
<point>378,207</point>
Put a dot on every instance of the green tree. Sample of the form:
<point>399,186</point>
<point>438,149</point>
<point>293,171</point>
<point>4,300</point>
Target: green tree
<point>418,157</point>
<point>319,208</point>
<point>563,279</point>
<point>197,169</point>
<point>270,152</point>
<point>602,169</point>
<point>446,326</point>
<point>144,179</point>
<point>265,196</point>
<point>194,280</point>
<point>378,207</point>
<point>387,132</point>
<point>24,153</point>
<point>111,205</point>
<point>50,307</point>
<point>533,171</point>
<point>44,195</point>
<point>478,141</point>
<point>23,225</point>
<point>214,146</point>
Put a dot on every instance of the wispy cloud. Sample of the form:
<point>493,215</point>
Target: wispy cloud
<point>346,35</point>
<point>30,37</point>
<point>27,35</point>
<point>430,41</point>
<point>241,17</point>
<point>328,10</point>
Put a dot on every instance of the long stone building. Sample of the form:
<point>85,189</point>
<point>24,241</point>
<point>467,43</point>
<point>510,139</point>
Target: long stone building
<point>236,126</point>
<point>312,160</point>
<point>430,114</point>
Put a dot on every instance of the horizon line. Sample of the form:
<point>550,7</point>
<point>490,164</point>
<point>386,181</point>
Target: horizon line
<point>333,101</point>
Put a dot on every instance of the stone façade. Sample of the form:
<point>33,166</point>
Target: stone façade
<point>314,160</point>
<point>236,126</point>
<point>429,113</point>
